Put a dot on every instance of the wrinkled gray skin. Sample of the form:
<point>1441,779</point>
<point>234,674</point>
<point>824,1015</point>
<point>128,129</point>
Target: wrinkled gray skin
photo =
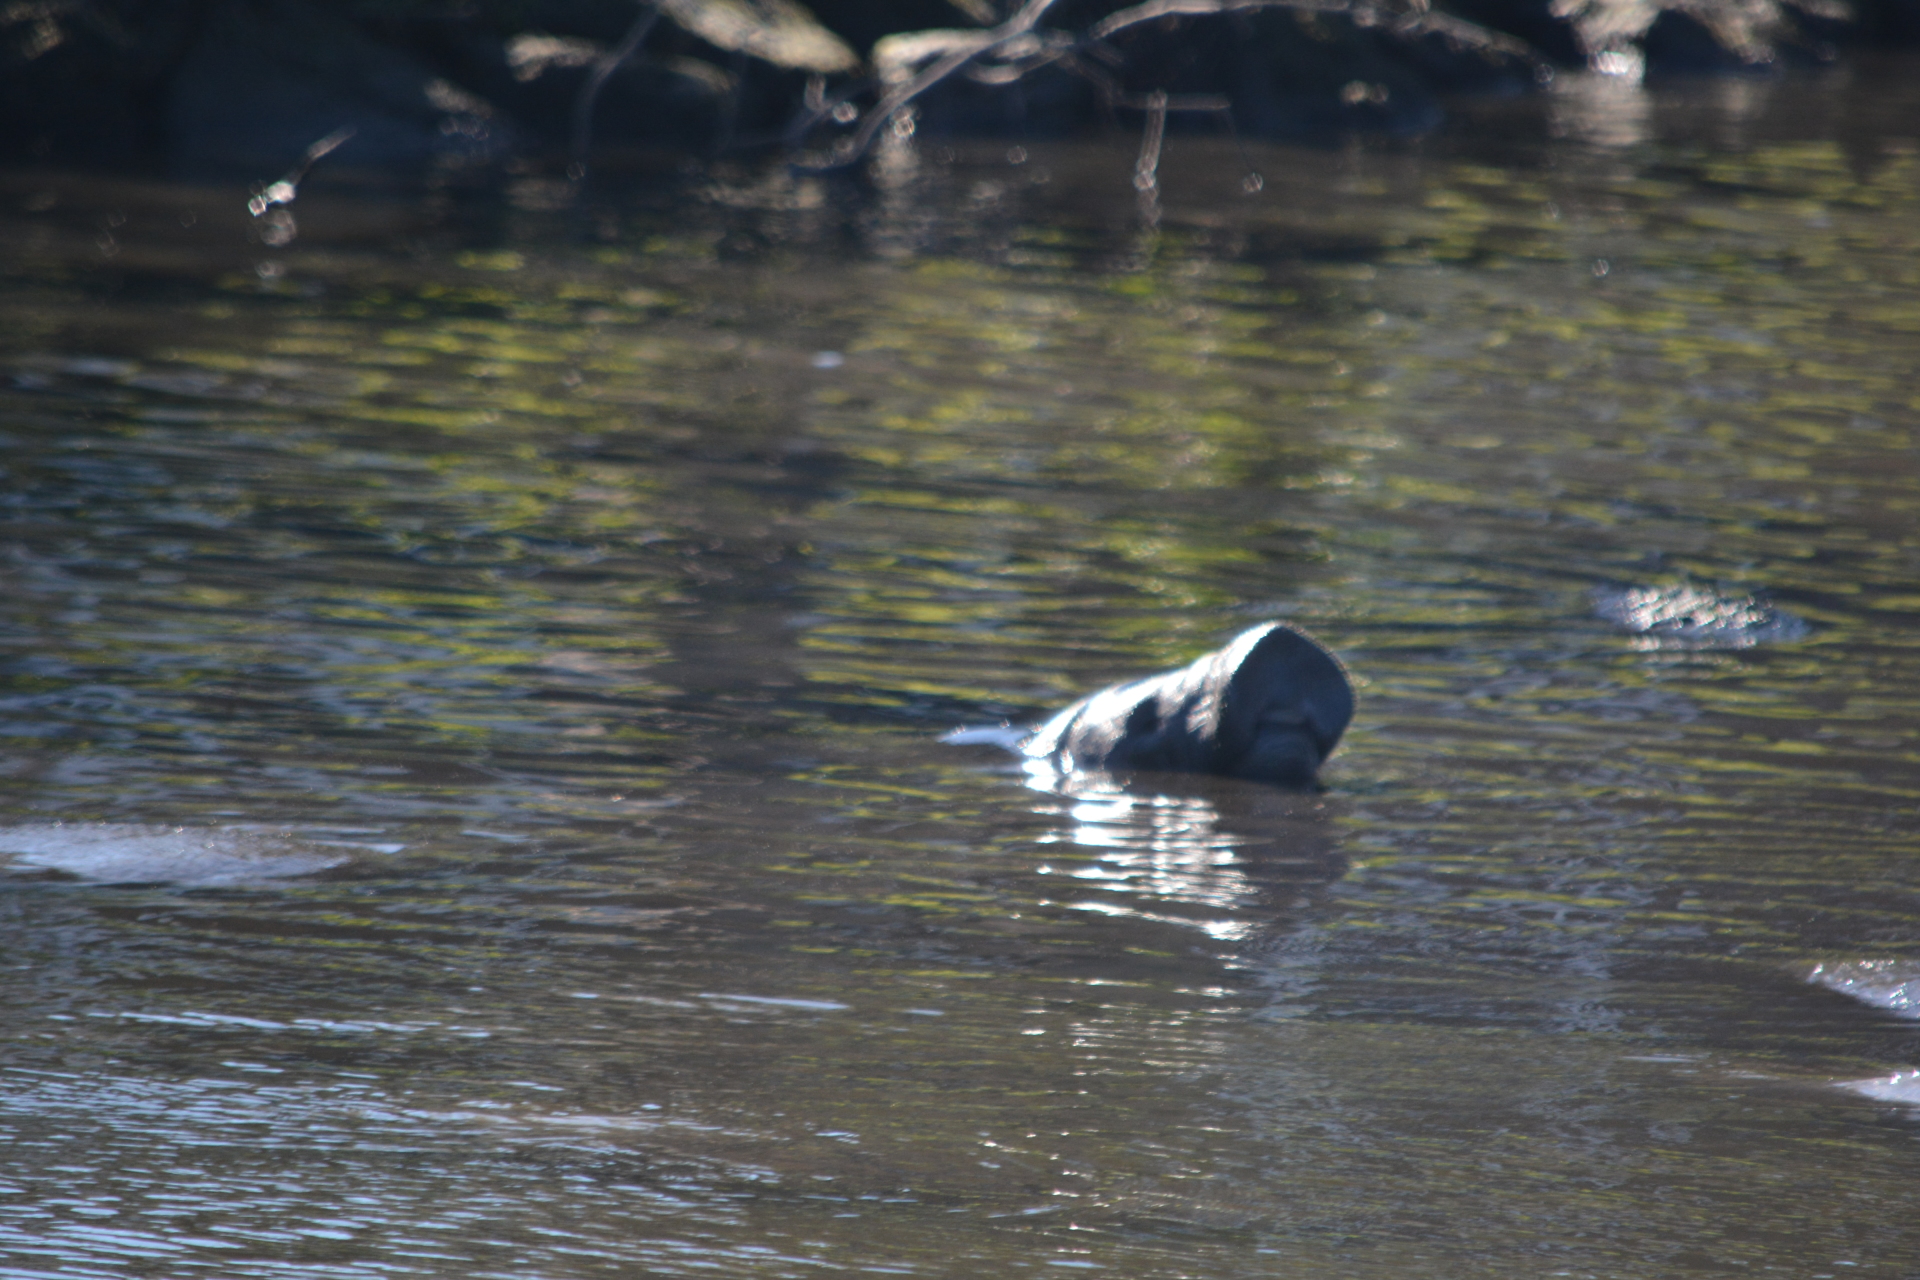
<point>1269,707</point>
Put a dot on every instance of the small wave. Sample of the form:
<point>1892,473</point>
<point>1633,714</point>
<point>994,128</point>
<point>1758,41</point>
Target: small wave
<point>784,1002</point>
<point>1006,736</point>
<point>1893,985</point>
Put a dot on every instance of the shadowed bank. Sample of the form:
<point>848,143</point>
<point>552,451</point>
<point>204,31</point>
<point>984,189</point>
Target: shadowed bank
<point>430,89</point>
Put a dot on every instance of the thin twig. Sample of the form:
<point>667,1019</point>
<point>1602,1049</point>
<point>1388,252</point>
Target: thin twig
<point>287,187</point>
<point>1146,170</point>
<point>603,68</point>
<point>1417,18</point>
<point>966,47</point>
<point>1251,180</point>
<point>1471,34</point>
<point>819,105</point>
<point>1148,12</point>
<point>323,148</point>
<point>1024,51</point>
<point>1014,28</point>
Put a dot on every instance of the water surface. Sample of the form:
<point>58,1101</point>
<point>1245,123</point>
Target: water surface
<point>472,800</point>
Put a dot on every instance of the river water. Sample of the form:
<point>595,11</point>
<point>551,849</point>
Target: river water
<point>473,803</point>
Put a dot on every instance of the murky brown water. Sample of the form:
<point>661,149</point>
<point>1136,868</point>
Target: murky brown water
<point>473,673</point>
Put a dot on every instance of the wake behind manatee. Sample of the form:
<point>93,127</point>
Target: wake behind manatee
<point>1892,985</point>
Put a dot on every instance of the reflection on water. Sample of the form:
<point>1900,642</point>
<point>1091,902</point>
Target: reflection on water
<point>1158,847</point>
<point>472,676</point>
<point>124,852</point>
<point>1608,107</point>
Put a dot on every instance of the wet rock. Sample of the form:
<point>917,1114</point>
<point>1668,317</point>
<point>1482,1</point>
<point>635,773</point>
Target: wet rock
<point>1270,707</point>
<point>1675,36</point>
<point>776,31</point>
<point>706,75</point>
<point>266,78</point>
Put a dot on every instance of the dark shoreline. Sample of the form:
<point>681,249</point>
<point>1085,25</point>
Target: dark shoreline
<point>241,88</point>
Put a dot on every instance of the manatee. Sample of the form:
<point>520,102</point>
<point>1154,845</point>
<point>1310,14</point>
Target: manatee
<point>1692,617</point>
<point>1269,707</point>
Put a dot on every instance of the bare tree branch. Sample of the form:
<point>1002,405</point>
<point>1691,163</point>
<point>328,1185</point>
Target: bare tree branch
<point>604,67</point>
<point>1146,170</point>
<point>910,64</point>
<point>1469,35</point>
<point>1124,18</point>
<point>961,47</point>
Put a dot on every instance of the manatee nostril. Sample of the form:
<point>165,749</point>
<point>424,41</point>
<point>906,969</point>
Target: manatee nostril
<point>1287,755</point>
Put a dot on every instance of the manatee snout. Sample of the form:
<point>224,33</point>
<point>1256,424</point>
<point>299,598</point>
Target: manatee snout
<point>1269,707</point>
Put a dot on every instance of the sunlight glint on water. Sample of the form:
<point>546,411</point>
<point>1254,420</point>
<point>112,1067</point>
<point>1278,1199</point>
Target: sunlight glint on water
<point>474,804</point>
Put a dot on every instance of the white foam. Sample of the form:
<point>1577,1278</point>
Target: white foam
<point>994,735</point>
